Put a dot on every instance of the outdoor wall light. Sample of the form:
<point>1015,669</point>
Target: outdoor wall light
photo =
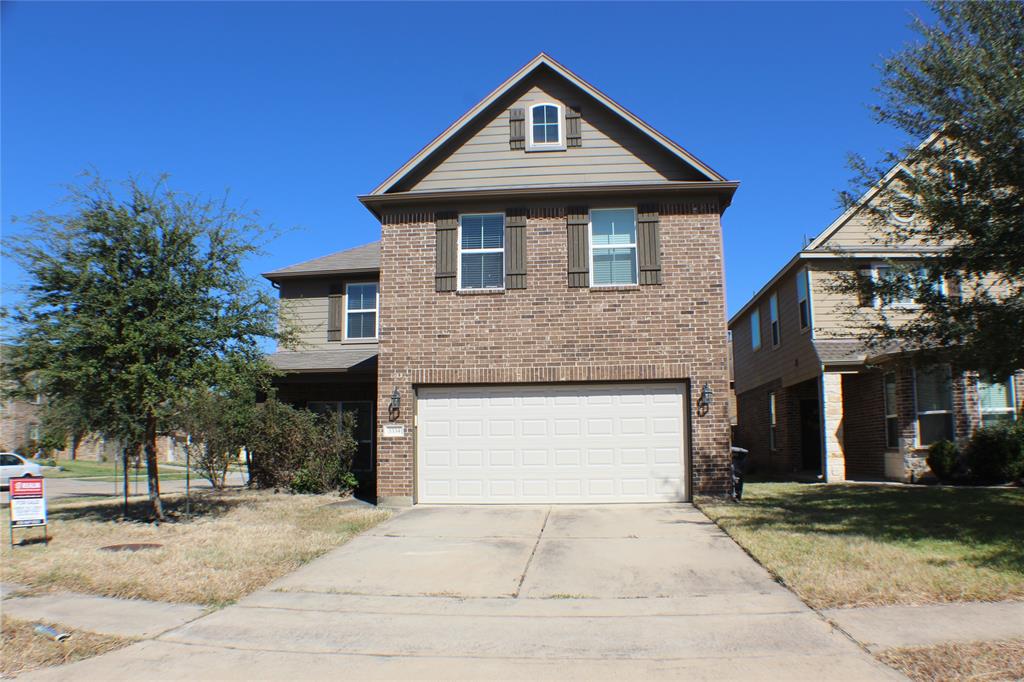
<point>395,408</point>
<point>705,399</point>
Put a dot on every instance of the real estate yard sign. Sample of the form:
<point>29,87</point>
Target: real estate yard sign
<point>28,504</point>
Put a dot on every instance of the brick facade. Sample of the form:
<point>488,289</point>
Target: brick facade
<point>864,424</point>
<point>551,333</point>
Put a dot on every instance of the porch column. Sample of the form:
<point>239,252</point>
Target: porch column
<point>832,426</point>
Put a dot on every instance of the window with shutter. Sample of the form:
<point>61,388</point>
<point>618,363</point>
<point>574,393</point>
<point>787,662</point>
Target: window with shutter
<point>577,222</point>
<point>482,251</point>
<point>613,252</point>
<point>515,249</point>
<point>517,128</point>
<point>446,247</point>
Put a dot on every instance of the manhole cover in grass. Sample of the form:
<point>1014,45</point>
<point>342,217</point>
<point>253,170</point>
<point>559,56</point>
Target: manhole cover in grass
<point>130,547</point>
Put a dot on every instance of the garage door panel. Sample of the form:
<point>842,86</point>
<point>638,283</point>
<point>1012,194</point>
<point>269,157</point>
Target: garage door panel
<point>566,443</point>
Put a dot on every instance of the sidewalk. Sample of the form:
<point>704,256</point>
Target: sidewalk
<point>889,627</point>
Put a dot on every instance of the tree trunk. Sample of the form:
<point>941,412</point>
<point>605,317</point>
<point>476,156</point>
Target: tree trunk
<point>124,470</point>
<point>151,468</point>
<point>76,440</point>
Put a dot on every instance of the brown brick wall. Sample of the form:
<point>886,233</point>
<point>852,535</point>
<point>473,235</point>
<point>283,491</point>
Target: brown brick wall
<point>864,424</point>
<point>549,332</point>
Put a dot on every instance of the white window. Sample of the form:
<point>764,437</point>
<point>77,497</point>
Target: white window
<point>892,422</point>
<point>803,300</point>
<point>933,395</point>
<point>998,404</point>
<point>361,302</point>
<point>908,298</point>
<point>772,423</point>
<point>613,246</point>
<point>546,126</point>
<point>773,313</point>
<point>482,251</point>
<point>755,329</point>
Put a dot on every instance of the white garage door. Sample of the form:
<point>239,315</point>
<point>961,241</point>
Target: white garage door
<point>538,444</point>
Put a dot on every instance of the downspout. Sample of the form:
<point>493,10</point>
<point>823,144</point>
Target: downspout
<point>822,424</point>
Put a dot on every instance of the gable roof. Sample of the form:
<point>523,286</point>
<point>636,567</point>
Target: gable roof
<point>541,61</point>
<point>365,258</point>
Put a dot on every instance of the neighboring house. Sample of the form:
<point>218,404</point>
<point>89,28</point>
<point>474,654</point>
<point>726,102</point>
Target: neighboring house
<point>813,398</point>
<point>544,317</point>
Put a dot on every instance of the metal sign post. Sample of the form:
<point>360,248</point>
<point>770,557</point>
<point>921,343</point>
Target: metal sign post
<point>28,505</point>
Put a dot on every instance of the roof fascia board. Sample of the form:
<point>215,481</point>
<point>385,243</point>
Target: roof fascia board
<point>763,290</point>
<point>508,84</point>
<point>275,276</point>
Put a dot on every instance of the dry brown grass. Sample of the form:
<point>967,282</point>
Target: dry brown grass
<point>988,661</point>
<point>235,543</point>
<point>22,649</point>
<point>859,545</point>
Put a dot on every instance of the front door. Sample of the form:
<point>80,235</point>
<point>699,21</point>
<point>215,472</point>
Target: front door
<point>810,435</point>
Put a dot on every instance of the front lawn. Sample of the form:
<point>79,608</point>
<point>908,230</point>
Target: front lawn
<point>22,649</point>
<point>105,471</point>
<point>973,661</point>
<point>860,545</point>
<point>235,543</point>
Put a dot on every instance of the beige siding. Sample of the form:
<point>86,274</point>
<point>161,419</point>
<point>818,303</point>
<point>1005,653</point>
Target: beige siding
<point>304,304</point>
<point>832,310</point>
<point>612,151</point>
<point>793,361</point>
<point>862,228</point>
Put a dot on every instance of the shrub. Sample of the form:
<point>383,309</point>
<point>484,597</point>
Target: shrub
<point>995,454</point>
<point>300,450</point>
<point>944,459</point>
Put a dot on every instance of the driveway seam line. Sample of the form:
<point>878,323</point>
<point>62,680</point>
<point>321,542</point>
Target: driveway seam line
<point>522,578</point>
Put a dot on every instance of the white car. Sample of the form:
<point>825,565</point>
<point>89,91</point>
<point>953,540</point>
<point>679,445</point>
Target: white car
<point>16,466</point>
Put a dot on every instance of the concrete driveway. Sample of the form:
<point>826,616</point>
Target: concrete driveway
<point>652,591</point>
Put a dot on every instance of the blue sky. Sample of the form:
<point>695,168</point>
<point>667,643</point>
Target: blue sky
<point>297,108</point>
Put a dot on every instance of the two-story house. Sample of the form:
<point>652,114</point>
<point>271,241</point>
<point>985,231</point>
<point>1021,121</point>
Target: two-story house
<point>543,319</point>
<point>813,398</point>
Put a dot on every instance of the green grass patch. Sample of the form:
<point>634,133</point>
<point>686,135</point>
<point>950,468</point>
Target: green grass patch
<point>105,471</point>
<point>858,545</point>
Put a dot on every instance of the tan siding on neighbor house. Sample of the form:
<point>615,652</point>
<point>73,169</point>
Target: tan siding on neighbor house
<point>794,360</point>
<point>612,151</point>
<point>304,302</point>
<point>862,229</point>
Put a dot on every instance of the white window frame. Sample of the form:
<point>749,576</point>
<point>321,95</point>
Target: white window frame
<point>900,305</point>
<point>755,329</point>
<point>918,414</point>
<point>458,265</point>
<point>376,314</point>
<point>609,247</point>
<point>773,422</point>
<point>1012,394</point>
<point>546,146</point>
<point>774,327</point>
<point>886,407</point>
<point>803,276</point>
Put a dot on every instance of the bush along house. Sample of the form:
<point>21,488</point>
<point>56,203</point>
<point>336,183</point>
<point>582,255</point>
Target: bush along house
<point>813,399</point>
<point>543,320</point>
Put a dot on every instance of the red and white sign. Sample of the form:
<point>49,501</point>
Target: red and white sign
<point>28,502</point>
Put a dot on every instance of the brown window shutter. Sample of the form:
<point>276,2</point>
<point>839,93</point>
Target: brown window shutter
<point>649,244</point>
<point>573,127</point>
<point>577,222</point>
<point>335,312</point>
<point>515,249</point>
<point>447,252</point>
<point>517,128</point>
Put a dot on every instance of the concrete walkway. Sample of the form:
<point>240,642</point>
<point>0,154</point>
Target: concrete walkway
<point>888,627</point>
<point>121,617</point>
<point>654,591</point>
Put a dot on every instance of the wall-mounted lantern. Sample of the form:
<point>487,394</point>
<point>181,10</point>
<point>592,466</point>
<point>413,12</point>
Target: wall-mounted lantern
<point>395,407</point>
<point>707,396</point>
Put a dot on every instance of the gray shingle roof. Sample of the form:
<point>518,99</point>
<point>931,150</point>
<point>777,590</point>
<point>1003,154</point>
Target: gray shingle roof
<point>364,258</point>
<point>358,358</point>
<point>855,351</point>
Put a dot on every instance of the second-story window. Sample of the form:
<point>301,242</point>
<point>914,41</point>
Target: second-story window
<point>803,301</point>
<point>361,310</point>
<point>482,251</point>
<point>755,329</point>
<point>545,125</point>
<point>773,312</point>
<point>613,246</point>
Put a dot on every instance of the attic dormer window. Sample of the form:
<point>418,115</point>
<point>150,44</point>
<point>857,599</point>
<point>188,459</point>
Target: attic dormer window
<point>546,126</point>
